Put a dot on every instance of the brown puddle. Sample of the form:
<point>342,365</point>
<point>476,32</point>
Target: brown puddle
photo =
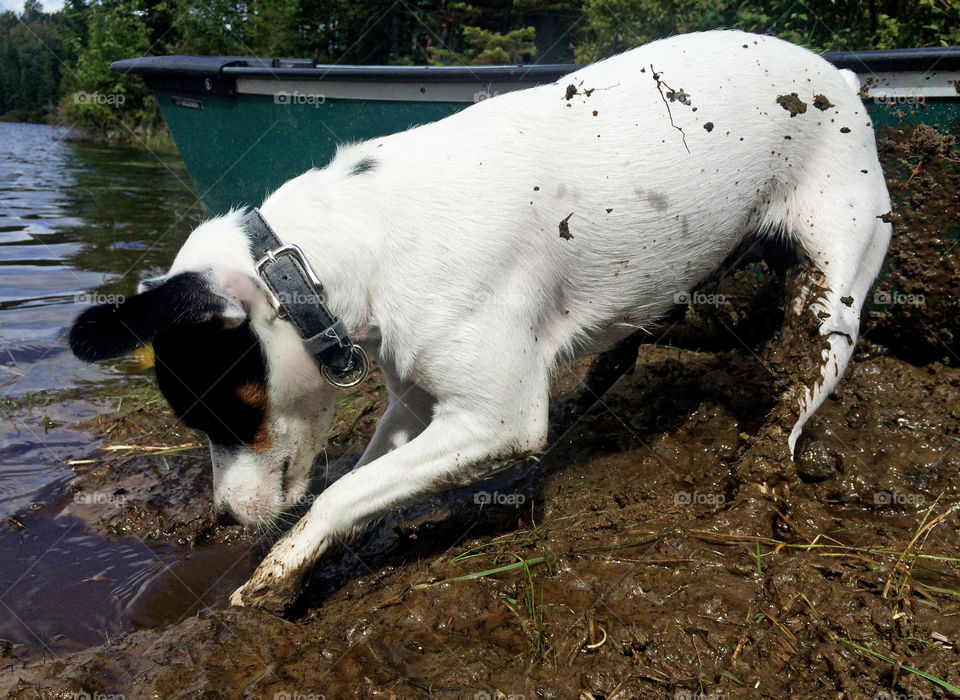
<point>628,562</point>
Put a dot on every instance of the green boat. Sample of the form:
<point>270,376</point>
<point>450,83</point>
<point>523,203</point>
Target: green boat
<point>246,125</point>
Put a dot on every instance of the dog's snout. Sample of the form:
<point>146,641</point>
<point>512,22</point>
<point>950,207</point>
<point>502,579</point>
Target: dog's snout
<point>226,517</point>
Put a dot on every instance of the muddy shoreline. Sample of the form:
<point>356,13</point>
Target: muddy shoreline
<point>630,560</point>
<point>633,562</point>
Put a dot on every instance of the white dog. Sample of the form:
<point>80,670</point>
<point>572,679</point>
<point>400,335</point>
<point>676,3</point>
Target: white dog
<point>470,255</point>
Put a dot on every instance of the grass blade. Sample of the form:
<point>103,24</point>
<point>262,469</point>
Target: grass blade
<point>487,572</point>
<point>938,681</point>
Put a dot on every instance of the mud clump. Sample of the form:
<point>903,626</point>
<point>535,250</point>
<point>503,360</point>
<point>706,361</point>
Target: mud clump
<point>821,102</point>
<point>564,227</point>
<point>793,358</point>
<point>160,471</point>
<point>915,310</point>
<point>678,96</point>
<point>792,103</point>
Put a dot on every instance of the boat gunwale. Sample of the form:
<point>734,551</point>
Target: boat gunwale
<point>925,59</point>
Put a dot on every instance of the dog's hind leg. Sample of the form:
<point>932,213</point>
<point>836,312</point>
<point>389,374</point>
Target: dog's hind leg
<point>844,241</point>
<point>408,413</point>
<point>608,366</point>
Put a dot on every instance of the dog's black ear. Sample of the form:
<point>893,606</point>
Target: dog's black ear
<point>107,331</point>
<point>151,283</point>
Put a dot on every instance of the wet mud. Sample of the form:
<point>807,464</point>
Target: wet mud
<point>634,558</point>
<point>630,560</point>
<point>916,309</point>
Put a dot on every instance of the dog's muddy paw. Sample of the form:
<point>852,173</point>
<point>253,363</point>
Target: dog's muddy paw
<point>236,598</point>
<point>275,596</point>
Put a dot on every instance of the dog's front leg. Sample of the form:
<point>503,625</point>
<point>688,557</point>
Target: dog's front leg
<point>458,447</point>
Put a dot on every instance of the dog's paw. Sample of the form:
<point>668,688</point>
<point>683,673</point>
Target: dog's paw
<point>272,594</point>
<point>265,598</point>
<point>236,598</point>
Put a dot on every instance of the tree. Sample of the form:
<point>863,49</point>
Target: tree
<point>611,26</point>
<point>486,47</point>
<point>211,27</point>
<point>48,59</point>
<point>822,25</point>
<point>32,12</point>
<point>32,56</point>
<point>99,98</point>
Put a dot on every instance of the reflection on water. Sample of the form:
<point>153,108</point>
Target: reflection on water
<point>75,220</point>
<point>62,589</point>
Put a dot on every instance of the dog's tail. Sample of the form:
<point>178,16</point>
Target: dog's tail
<point>835,214</point>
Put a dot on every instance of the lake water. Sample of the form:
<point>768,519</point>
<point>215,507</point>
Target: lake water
<point>74,221</point>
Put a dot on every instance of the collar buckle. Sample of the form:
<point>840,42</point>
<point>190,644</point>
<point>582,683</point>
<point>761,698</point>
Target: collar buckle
<point>293,251</point>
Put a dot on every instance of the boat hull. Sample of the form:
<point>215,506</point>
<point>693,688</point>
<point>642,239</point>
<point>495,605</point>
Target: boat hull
<point>244,126</point>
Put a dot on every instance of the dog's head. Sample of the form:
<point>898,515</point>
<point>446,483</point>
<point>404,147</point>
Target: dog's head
<point>229,367</point>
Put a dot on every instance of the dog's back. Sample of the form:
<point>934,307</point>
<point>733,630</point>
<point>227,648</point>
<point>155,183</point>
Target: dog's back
<point>599,198</point>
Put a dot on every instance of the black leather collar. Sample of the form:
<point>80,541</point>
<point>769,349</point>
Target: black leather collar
<point>298,295</point>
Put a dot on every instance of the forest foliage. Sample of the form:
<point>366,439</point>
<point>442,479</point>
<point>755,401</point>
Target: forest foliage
<point>55,66</point>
